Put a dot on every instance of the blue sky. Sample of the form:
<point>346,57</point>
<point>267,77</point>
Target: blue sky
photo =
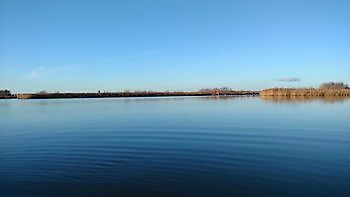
<point>68,45</point>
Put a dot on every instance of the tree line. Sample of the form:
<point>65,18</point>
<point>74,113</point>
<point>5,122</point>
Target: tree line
<point>5,93</point>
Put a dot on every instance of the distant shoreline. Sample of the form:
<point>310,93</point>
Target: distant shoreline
<point>130,94</point>
<point>273,92</point>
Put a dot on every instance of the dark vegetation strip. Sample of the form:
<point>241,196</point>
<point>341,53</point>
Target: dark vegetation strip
<point>6,94</point>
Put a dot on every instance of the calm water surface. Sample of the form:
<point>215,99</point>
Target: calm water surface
<point>233,146</point>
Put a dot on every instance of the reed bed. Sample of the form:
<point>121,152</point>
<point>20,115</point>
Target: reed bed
<point>306,92</point>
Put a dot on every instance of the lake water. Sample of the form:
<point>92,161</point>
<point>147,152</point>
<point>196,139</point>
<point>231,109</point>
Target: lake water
<point>231,146</point>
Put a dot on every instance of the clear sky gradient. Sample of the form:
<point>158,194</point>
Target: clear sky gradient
<point>71,45</point>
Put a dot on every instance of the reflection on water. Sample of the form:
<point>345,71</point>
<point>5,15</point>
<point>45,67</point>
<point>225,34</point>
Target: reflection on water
<point>303,99</point>
<point>193,146</point>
